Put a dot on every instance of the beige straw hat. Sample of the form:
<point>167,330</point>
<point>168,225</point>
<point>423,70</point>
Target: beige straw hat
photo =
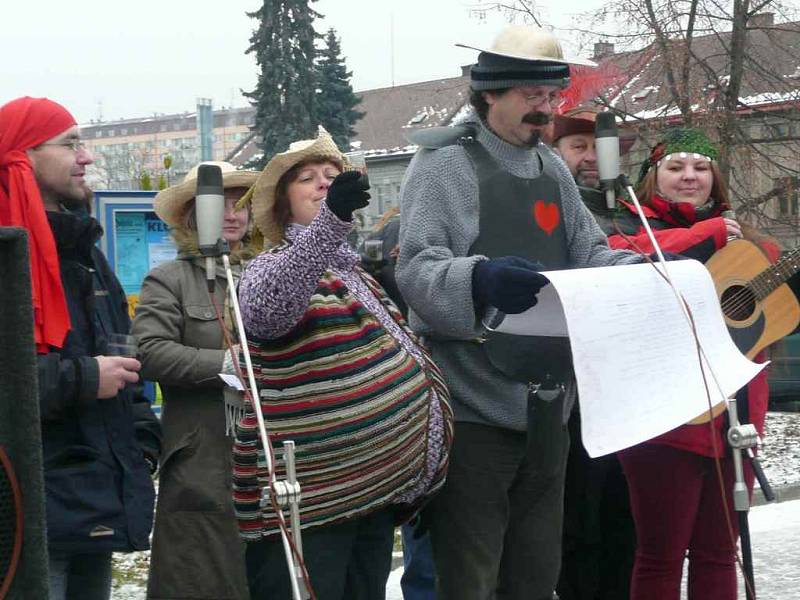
<point>170,203</point>
<point>263,199</point>
<point>525,42</point>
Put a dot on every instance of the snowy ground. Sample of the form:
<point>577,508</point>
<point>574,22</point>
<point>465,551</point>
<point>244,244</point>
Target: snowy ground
<point>775,528</point>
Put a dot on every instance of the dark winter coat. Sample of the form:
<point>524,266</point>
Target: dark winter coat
<point>384,270</point>
<point>98,488</point>
<point>182,348</point>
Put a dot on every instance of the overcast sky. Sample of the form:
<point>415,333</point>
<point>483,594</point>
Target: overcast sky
<point>114,60</point>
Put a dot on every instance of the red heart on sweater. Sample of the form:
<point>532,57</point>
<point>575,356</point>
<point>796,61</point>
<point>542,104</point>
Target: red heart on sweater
<point>546,215</point>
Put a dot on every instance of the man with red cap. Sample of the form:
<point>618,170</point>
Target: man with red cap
<point>100,438</point>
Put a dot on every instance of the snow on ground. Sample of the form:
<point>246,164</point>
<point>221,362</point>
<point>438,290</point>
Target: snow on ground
<point>780,457</point>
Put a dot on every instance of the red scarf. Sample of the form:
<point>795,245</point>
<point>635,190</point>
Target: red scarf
<point>25,123</point>
<point>684,214</point>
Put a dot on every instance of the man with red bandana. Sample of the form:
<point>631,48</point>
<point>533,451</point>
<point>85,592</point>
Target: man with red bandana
<point>100,438</point>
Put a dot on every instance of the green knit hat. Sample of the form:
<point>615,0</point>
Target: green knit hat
<point>682,141</point>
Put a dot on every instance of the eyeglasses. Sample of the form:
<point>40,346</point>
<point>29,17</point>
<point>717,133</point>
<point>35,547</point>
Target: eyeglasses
<point>554,99</point>
<point>75,144</point>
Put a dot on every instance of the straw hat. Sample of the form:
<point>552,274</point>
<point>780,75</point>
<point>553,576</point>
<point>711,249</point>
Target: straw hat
<point>171,202</point>
<point>524,42</point>
<point>263,199</point>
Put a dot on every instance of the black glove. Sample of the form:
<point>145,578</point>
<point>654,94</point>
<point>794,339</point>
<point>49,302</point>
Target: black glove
<point>668,256</point>
<point>347,193</point>
<point>509,283</point>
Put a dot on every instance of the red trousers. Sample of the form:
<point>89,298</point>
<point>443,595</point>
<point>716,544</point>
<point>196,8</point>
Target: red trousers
<point>677,507</point>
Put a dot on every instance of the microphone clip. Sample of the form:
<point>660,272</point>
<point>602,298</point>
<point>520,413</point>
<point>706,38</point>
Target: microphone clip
<point>215,250</point>
<point>210,253</point>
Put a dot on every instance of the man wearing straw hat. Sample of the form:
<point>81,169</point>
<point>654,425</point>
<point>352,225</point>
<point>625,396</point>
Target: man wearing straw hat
<point>99,434</point>
<point>485,206</point>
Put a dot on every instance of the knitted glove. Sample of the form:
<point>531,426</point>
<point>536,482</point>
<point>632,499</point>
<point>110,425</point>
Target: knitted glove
<point>509,283</point>
<point>348,193</point>
<point>668,256</point>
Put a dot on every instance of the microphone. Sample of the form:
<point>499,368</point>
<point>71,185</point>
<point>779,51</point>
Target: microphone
<point>210,213</point>
<point>607,145</point>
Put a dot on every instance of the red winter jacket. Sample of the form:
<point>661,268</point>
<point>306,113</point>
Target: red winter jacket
<point>699,240</point>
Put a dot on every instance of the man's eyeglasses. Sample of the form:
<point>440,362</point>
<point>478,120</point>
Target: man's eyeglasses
<point>554,99</point>
<point>76,145</point>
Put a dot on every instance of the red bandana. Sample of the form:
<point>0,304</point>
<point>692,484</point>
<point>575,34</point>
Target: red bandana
<point>26,123</point>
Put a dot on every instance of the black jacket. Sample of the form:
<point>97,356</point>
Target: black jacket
<point>98,487</point>
<point>384,270</point>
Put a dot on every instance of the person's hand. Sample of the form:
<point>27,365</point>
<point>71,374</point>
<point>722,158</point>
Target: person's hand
<point>348,193</point>
<point>668,256</point>
<point>733,229</point>
<point>509,283</point>
<point>115,373</point>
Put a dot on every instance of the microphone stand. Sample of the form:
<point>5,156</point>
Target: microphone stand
<point>742,438</point>
<point>287,492</point>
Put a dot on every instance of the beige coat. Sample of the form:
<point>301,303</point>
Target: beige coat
<point>197,552</point>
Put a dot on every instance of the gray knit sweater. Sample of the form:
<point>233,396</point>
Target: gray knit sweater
<point>439,224</point>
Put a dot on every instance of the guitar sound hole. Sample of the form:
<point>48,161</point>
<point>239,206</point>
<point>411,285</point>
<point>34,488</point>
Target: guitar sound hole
<point>738,303</point>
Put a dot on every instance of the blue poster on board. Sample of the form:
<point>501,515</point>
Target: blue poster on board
<point>131,249</point>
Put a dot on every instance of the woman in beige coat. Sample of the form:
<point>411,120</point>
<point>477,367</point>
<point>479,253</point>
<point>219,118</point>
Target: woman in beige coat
<point>197,552</point>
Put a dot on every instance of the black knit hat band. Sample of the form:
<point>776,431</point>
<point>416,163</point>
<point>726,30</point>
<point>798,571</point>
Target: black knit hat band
<point>496,72</point>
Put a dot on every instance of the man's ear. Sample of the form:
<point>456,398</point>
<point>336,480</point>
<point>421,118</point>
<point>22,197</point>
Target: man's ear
<point>31,152</point>
<point>489,96</point>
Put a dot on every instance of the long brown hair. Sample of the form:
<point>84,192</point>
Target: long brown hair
<point>649,187</point>
<point>719,192</point>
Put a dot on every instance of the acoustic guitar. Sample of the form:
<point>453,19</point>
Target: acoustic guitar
<point>758,307</point>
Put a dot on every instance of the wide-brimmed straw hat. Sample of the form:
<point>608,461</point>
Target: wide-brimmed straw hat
<point>263,198</point>
<point>528,43</point>
<point>582,120</point>
<point>170,204</point>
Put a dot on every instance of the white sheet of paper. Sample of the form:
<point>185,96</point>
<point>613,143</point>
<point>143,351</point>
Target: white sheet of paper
<point>232,381</point>
<point>634,354</point>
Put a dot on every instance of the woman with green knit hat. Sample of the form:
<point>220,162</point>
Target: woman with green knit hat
<point>675,493</point>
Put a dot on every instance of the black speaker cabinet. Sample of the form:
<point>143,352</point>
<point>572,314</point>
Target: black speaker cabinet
<point>23,545</point>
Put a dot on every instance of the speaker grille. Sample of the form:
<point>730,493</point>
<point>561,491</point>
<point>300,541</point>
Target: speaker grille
<point>10,523</point>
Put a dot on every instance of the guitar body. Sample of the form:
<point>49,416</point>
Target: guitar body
<point>753,324</point>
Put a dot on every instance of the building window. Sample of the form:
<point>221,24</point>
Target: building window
<point>787,195</point>
<point>123,132</point>
<point>98,133</point>
<point>111,133</point>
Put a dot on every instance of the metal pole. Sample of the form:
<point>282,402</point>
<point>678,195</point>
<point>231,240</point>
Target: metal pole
<point>262,429</point>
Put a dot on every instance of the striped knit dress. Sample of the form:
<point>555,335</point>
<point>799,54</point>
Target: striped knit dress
<point>341,374</point>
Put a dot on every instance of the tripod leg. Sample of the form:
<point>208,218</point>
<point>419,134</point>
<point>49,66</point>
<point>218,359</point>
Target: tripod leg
<point>747,555</point>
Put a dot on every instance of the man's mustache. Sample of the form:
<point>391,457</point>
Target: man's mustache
<point>537,118</point>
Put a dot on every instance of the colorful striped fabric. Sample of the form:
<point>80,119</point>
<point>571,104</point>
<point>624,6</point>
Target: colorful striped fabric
<point>356,404</point>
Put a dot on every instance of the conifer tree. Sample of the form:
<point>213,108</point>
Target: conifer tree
<point>336,101</point>
<point>284,97</point>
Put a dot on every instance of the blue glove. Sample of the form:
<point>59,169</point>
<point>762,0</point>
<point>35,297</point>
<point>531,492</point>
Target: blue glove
<point>509,283</point>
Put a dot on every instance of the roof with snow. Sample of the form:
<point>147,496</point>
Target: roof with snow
<point>771,76</point>
<point>393,112</point>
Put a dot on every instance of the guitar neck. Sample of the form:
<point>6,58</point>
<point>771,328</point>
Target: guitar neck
<point>770,278</point>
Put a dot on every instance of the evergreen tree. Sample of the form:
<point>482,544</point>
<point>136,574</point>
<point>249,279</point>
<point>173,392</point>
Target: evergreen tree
<point>336,101</point>
<point>284,96</point>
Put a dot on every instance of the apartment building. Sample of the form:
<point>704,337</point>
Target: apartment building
<point>127,149</point>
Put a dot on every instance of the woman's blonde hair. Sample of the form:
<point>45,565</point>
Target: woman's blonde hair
<point>185,233</point>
